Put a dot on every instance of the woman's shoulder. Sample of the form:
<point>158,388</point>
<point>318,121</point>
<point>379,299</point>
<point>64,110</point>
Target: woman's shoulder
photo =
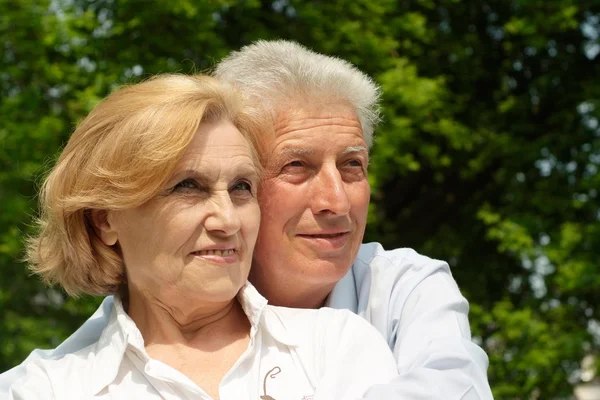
<point>43,378</point>
<point>34,384</point>
<point>48,378</point>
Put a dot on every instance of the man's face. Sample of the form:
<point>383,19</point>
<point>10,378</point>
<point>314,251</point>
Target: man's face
<point>314,198</point>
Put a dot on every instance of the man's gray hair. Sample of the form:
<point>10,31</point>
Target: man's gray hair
<point>276,74</point>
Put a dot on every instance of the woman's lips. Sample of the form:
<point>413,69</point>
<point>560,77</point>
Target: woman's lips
<point>218,256</point>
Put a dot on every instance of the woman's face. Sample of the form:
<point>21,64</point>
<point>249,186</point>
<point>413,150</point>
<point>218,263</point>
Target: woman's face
<point>193,242</point>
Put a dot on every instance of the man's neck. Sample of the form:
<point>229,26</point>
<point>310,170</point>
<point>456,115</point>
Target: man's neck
<point>291,294</point>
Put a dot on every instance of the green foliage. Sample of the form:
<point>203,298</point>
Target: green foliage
<point>488,155</point>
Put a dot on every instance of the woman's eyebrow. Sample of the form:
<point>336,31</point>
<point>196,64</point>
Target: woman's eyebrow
<point>246,170</point>
<point>190,173</point>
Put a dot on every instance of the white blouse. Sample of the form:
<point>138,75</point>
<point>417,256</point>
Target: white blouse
<point>293,354</point>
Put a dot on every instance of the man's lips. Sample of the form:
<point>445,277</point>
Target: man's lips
<point>325,242</point>
<point>323,235</point>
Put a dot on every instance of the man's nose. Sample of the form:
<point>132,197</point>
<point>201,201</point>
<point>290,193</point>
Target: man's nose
<point>329,195</point>
<point>223,217</point>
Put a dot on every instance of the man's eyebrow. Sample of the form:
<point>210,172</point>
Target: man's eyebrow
<point>355,149</point>
<point>298,150</point>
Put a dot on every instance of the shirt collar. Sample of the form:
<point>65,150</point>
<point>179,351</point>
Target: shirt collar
<point>122,332</point>
<point>344,295</point>
<point>259,313</point>
<point>253,304</point>
<point>133,336</point>
<point>109,349</point>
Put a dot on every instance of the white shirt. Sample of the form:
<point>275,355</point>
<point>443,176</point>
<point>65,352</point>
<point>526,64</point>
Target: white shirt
<point>414,303</point>
<point>293,354</point>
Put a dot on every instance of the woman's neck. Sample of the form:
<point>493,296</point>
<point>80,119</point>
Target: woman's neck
<point>203,343</point>
<point>191,325</point>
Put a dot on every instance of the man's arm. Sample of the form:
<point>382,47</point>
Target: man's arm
<point>415,303</point>
<point>435,356</point>
<point>354,356</point>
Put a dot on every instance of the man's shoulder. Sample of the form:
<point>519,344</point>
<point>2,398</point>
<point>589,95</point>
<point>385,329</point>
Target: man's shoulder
<point>299,319</point>
<point>299,322</point>
<point>386,280</point>
<point>377,273</point>
<point>372,257</point>
<point>316,327</point>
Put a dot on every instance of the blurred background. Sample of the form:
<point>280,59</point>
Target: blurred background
<point>488,155</point>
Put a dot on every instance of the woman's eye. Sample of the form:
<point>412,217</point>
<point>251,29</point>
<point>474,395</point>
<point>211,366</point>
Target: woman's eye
<point>186,184</point>
<point>243,186</point>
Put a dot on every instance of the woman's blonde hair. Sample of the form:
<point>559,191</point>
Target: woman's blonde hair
<point>119,157</point>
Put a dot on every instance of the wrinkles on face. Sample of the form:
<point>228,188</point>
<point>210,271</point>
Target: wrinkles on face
<point>315,188</point>
<point>332,117</point>
<point>209,200</point>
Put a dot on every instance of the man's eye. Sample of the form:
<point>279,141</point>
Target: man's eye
<point>294,163</point>
<point>355,163</point>
<point>293,166</point>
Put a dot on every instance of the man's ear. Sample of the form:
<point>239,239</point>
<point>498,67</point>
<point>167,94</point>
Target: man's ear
<point>102,226</point>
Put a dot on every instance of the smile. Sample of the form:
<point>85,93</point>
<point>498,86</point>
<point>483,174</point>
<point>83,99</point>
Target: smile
<point>326,235</point>
<point>221,253</point>
<point>327,244</point>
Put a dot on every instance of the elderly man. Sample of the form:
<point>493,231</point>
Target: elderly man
<point>314,201</point>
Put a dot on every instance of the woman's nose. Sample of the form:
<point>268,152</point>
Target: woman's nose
<point>223,217</point>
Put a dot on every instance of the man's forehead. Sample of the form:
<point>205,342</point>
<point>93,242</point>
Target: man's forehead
<point>315,121</point>
<point>307,109</point>
<point>300,149</point>
<point>316,127</point>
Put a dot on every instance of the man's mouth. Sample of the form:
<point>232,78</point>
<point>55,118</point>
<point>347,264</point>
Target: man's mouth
<point>324,235</point>
<point>326,243</point>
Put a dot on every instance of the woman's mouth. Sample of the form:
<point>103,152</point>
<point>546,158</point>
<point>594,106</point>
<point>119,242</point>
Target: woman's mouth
<point>221,253</point>
<point>217,256</point>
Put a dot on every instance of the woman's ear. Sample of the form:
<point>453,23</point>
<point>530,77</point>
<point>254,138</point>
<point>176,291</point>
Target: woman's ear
<point>102,226</point>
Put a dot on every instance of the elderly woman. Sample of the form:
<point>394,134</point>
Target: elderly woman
<point>154,199</point>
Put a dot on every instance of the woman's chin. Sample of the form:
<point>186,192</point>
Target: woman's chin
<point>216,292</point>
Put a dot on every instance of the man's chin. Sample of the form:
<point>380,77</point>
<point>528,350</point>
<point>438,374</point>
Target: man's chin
<point>325,271</point>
